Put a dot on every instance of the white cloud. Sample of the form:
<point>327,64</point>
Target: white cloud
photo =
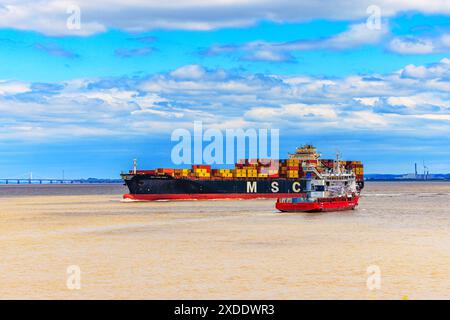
<point>420,45</point>
<point>190,72</point>
<point>367,119</point>
<point>50,16</point>
<point>356,35</point>
<point>368,101</point>
<point>437,70</point>
<point>268,55</point>
<point>411,46</point>
<point>90,107</point>
<point>421,100</point>
<point>411,71</point>
<point>444,117</point>
<point>409,102</point>
<point>13,87</point>
<point>294,111</point>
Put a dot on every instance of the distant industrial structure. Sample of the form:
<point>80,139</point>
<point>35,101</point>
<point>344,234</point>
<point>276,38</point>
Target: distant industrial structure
<point>417,176</point>
<point>421,176</point>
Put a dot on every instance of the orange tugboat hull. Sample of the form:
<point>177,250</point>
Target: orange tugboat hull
<point>329,204</point>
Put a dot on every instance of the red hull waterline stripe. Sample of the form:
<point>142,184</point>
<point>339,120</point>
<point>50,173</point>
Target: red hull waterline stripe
<point>317,206</point>
<point>210,196</point>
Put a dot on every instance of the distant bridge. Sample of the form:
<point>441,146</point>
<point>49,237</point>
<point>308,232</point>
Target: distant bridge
<point>55,181</point>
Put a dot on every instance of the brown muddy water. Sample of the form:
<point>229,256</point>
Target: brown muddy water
<point>222,249</point>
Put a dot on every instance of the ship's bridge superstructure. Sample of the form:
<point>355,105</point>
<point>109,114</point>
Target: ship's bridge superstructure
<point>304,153</point>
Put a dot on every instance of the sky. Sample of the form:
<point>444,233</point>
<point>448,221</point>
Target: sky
<point>88,86</point>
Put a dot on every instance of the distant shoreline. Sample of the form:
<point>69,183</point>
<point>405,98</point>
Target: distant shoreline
<point>63,184</point>
<point>2,185</point>
<point>407,180</point>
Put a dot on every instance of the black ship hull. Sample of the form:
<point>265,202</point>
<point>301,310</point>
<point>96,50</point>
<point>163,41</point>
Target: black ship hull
<point>154,187</point>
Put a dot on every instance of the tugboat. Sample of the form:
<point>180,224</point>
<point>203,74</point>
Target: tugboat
<point>334,189</point>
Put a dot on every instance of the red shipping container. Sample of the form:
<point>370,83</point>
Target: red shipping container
<point>201,166</point>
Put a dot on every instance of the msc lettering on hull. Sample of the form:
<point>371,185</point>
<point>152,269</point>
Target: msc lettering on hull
<point>275,187</point>
<point>296,186</point>
<point>252,187</point>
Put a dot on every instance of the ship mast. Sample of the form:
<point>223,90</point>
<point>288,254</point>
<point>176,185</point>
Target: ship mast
<point>337,166</point>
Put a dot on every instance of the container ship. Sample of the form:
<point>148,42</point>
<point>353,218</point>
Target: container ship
<point>303,175</point>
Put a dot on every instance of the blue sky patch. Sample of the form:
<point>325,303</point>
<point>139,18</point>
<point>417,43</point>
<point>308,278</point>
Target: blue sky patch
<point>88,100</point>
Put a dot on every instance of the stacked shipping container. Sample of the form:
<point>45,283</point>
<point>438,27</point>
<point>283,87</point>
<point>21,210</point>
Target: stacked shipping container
<point>201,171</point>
<point>259,169</point>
